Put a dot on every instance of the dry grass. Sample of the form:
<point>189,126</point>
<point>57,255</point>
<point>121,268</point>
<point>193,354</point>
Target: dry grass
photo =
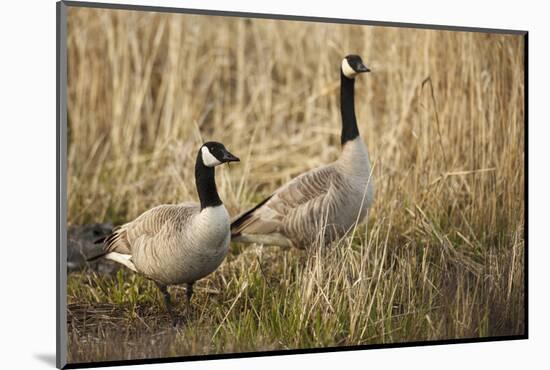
<point>442,113</point>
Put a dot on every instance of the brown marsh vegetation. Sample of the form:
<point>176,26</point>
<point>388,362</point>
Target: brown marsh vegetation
<point>442,253</point>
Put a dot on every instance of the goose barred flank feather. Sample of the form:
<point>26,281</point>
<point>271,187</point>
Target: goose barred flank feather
<point>319,205</point>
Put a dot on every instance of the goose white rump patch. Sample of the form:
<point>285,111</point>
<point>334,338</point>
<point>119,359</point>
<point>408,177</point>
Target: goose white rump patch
<point>124,259</point>
<point>208,158</point>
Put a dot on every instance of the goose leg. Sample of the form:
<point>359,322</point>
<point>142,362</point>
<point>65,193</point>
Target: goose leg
<point>167,302</point>
<point>189,292</point>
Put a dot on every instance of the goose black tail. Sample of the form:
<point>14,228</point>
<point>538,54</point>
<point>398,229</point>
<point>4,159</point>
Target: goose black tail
<point>91,259</point>
<point>245,216</point>
<point>100,240</point>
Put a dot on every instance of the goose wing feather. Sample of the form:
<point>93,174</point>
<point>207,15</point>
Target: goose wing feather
<point>149,225</point>
<point>300,197</point>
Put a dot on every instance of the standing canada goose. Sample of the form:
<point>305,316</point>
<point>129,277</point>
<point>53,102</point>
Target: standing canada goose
<point>182,243</point>
<point>323,204</point>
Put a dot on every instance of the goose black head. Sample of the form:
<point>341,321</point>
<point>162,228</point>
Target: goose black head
<point>352,65</point>
<point>214,154</point>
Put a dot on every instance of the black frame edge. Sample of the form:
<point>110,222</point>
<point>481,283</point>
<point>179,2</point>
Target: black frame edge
<point>286,17</point>
<point>526,180</point>
<point>61,156</point>
<point>223,356</point>
<point>57,177</point>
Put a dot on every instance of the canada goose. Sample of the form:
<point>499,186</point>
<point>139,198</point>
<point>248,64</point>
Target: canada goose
<point>322,204</point>
<point>182,243</point>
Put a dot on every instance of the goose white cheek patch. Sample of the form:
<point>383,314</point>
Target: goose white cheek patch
<point>208,159</point>
<point>347,70</point>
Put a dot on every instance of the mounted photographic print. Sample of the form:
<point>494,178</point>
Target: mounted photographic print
<point>234,184</point>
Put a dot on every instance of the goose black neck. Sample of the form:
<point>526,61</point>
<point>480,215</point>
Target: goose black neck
<point>206,184</point>
<point>347,107</point>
